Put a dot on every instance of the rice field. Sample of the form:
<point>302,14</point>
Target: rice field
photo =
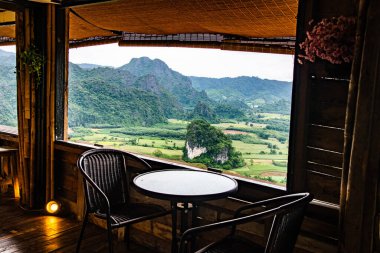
<point>262,161</point>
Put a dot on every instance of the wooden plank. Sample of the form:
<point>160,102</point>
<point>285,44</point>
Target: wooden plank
<point>69,183</point>
<point>324,157</point>
<point>320,228</point>
<point>72,147</point>
<point>327,138</point>
<point>306,244</point>
<point>324,187</point>
<point>328,108</point>
<point>328,170</point>
<point>80,201</point>
<point>69,195</point>
<point>66,169</point>
<point>66,157</point>
<point>332,8</point>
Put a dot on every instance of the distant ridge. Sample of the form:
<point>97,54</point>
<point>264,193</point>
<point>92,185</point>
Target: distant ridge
<point>243,87</point>
<point>7,58</point>
<point>89,66</point>
<point>145,92</point>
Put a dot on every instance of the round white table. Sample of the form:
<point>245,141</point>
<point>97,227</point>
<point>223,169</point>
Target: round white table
<point>184,188</point>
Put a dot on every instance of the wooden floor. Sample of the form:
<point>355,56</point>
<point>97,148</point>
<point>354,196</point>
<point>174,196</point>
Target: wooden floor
<point>33,232</point>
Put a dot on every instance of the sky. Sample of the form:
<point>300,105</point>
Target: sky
<point>191,61</point>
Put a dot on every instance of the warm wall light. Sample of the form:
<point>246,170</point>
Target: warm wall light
<point>53,207</point>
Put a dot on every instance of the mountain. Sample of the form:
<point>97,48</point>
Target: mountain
<point>142,92</point>
<point>243,88</point>
<point>107,96</point>
<point>7,58</point>
<point>177,84</point>
<point>145,92</point>
<point>8,103</point>
<point>89,66</point>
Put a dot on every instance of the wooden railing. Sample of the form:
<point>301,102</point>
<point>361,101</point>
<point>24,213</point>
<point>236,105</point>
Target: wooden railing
<point>319,229</point>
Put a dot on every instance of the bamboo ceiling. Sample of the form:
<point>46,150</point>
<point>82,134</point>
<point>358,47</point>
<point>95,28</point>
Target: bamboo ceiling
<point>113,20</point>
<point>7,27</point>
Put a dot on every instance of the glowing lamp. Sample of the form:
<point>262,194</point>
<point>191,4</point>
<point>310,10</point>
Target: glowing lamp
<point>53,207</point>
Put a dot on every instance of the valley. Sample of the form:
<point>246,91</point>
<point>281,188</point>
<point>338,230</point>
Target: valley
<point>265,160</point>
<point>145,107</point>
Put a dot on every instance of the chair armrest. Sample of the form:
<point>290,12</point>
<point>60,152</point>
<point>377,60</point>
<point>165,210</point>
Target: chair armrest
<point>293,200</point>
<point>222,224</point>
<point>286,200</point>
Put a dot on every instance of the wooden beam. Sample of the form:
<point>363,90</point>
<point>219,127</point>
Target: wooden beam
<point>8,23</point>
<point>296,177</point>
<point>71,3</point>
<point>11,5</point>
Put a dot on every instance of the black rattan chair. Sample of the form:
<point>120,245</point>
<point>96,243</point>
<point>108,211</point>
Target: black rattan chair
<point>106,186</point>
<point>287,213</point>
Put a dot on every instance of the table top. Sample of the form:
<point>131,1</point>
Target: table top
<point>185,185</point>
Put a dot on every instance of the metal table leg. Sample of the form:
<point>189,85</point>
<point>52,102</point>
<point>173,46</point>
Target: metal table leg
<point>174,227</point>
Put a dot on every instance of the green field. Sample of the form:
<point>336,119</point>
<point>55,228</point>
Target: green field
<point>265,158</point>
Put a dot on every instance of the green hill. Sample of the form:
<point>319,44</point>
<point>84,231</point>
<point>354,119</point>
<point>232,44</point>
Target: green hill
<point>8,103</point>
<point>175,83</point>
<point>243,88</point>
<point>145,92</point>
<point>106,96</point>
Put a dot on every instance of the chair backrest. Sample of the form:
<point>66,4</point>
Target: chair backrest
<point>287,223</point>
<point>104,174</point>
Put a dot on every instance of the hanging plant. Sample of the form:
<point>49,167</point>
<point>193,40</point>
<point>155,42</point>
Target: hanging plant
<point>331,39</point>
<point>34,61</point>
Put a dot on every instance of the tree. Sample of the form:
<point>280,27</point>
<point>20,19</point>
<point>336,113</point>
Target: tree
<point>204,112</point>
<point>218,148</point>
<point>157,153</point>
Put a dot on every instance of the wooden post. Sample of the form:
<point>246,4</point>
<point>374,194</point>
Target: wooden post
<point>36,27</point>
<point>360,203</point>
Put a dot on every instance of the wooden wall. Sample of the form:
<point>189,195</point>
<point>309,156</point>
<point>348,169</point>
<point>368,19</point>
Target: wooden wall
<point>318,112</point>
<point>325,133</point>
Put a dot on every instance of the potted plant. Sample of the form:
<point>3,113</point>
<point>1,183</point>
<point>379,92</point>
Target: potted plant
<point>34,61</point>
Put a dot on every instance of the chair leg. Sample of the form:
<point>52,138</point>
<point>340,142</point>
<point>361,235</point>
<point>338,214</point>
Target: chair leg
<point>85,220</point>
<point>127,238</point>
<point>109,230</point>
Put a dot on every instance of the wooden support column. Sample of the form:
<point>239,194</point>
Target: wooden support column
<point>37,28</point>
<point>62,55</point>
<point>360,195</point>
<point>26,108</point>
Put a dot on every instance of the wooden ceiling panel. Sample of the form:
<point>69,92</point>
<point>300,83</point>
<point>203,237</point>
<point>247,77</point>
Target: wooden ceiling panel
<point>250,18</point>
<point>7,16</point>
<point>7,27</point>
<point>108,20</point>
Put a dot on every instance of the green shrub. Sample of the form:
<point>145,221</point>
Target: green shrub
<point>157,153</point>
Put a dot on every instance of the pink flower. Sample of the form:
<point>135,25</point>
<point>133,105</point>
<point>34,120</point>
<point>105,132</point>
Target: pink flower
<point>331,39</point>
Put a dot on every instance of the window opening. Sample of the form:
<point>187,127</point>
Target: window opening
<point>207,108</point>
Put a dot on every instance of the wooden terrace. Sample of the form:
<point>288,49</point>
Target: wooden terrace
<point>334,139</point>
<point>25,231</point>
